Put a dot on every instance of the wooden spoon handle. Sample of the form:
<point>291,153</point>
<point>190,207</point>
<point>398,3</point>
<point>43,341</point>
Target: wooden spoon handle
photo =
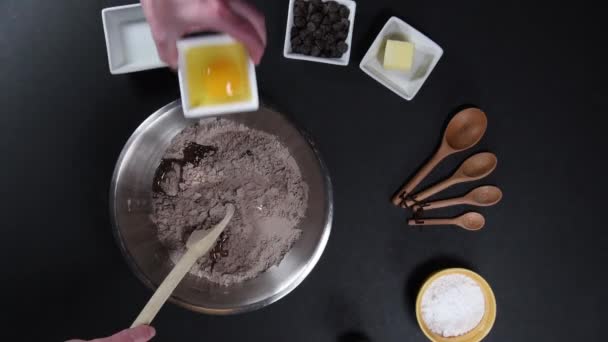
<point>420,175</point>
<point>198,245</point>
<point>431,191</point>
<point>430,222</point>
<point>441,204</point>
<point>166,288</point>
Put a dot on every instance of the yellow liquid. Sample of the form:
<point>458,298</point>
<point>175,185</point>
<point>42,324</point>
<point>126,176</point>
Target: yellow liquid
<point>217,74</point>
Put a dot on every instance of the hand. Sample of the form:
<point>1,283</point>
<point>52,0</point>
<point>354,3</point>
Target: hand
<point>172,19</point>
<point>142,333</point>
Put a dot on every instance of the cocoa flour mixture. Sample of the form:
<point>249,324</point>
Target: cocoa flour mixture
<point>218,161</point>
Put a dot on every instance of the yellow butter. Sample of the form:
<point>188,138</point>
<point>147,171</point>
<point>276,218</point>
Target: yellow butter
<point>398,55</point>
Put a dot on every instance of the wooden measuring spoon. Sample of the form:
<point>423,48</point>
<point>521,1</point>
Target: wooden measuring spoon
<point>475,167</point>
<point>469,221</point>
<point>464,131</point>
<point>483,196</point>
<point>199,243</point>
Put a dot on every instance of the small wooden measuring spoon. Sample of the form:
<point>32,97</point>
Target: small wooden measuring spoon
<point>199,243</point>
<point>475,167</point>
<point>464,131</point>
<point>483,196</point>
<point>469,221</point>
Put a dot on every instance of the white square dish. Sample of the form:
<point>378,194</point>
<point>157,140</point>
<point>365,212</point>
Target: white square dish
<point>352,7</point>
<point>129,42</point>
<point>211,110</point>
<point>426,56</point>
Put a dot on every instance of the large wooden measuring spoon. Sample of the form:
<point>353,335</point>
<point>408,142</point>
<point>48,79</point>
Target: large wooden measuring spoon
<point>483,196</point>
<point>199,243</point>
<point>468,221</point>
<point>464,131</point>
<point>475,167</point>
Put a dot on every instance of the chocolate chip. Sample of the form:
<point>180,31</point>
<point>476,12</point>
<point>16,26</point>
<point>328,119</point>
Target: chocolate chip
<point>332,6</point>
<point>299,11</point>
<point>299,22</point>
<point>342,47</point>
<point>294,32</point>
<point>333,17</point>
<point>344,11</point>
<point>316,18</point>
<point>297,41</point>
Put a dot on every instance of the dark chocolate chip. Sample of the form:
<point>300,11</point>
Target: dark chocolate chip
<point>297,41</point>
<point>332,6</point>
<point>306,49</point>
<point>299,22</point>
<point>315,51</point>
<point>294,32</point>
<point>342,47</point>
<point>299,11</point>
<point>311,27</point>
<point>344,11</point>
<point>333,17</point>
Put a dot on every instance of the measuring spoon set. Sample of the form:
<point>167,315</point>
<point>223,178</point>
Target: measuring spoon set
<point>465,130</point>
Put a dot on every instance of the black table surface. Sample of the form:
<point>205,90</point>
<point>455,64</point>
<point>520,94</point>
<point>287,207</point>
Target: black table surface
<point>538,72</point>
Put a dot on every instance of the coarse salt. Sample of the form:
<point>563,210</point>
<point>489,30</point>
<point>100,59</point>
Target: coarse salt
<point>452,305</point>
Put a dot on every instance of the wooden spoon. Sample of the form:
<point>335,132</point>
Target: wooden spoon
<point>475,167</point>
<point>464,131</point>
<point>483,196</point>
<point>469,221</point>
<point>199,243</point>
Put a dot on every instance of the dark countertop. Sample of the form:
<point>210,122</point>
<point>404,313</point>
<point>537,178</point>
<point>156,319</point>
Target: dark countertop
<point>536,71</point>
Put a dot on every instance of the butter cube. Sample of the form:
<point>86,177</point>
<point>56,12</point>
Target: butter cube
<point>398,55</point>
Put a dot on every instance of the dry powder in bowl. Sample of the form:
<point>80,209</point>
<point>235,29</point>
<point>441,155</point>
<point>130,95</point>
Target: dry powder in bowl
<point>219,161</point>
<point>452,305</point>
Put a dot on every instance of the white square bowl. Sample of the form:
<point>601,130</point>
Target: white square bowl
<point>352,7</point>
<point>426,55</point>
<point>212,110</point>
<point>129,40</point>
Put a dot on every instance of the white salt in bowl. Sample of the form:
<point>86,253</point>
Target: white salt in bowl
<point>136,234</point>
<point>482,329</point>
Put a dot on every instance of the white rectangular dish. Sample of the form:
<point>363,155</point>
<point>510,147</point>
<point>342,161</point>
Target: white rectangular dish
<point>426,56</point>
<point>129,42</point>
<point>211,110</point>
<point>352,7</point>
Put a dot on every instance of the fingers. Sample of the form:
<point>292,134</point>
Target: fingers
<point>224,19</point>
<point>167,51</point>
<point>164,39</point>
<point>255,17</point>
<point>142,333</point>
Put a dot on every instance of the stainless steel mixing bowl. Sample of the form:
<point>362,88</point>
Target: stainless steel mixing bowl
<point>130,207</point>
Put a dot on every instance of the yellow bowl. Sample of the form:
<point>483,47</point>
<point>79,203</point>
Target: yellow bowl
<point>487,321</point>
